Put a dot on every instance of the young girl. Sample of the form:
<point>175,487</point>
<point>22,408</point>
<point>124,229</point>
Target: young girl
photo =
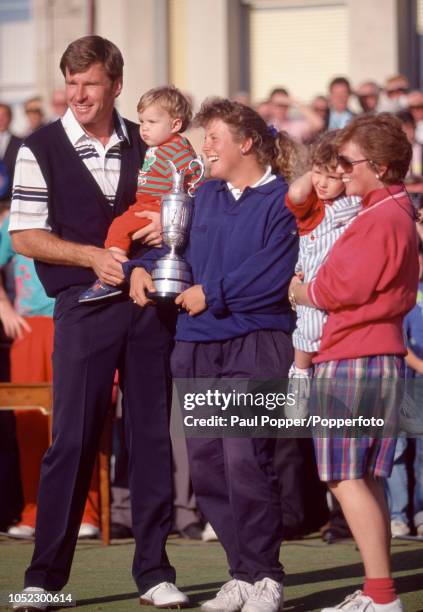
<point>323,212</point>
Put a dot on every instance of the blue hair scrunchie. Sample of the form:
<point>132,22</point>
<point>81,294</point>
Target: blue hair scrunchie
<point>272,131</point>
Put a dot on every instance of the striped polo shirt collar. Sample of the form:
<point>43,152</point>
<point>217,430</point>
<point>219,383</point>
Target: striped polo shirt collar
<point>75,132</point>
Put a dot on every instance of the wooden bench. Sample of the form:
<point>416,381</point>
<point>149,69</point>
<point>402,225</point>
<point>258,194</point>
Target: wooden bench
<point>39,396</point>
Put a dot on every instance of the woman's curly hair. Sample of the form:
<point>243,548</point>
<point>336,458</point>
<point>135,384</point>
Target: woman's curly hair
<point>270,147</point>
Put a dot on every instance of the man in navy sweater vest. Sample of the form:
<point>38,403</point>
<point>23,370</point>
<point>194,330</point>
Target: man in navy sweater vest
<point>72,178</point>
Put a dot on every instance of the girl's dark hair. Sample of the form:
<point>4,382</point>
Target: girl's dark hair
<point>323,151</point>
<point>383,141</point>
<point>269,146</point>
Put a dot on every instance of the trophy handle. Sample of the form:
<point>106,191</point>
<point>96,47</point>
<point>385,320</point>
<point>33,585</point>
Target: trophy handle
<point>192,184</point>
<point>177,177</point>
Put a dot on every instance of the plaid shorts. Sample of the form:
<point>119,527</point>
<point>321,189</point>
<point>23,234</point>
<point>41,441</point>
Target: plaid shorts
<point>364,386</point>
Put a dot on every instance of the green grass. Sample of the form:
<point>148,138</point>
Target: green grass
<point>318,575</point>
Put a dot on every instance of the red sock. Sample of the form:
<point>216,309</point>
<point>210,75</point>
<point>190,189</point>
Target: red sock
<point>381,590</point>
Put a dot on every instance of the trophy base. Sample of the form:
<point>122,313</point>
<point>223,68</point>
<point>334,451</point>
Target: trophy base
<point>167,290</point>
<point>162,297</point>
<point>171,277</point>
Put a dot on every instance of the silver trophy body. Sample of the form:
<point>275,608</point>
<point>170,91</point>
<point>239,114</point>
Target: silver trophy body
<point>172,274</point>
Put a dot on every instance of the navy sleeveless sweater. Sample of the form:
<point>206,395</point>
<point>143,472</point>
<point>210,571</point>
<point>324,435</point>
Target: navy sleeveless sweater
<point>77,209</point>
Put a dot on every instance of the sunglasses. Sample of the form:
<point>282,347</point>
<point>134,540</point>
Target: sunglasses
<point>396,90</point>
<point>348,164</point>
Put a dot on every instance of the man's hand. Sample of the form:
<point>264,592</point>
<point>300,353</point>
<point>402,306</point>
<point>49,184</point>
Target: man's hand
<point>108,266</point>
<point>192,300</point>
<point>14,325</point>
<point>151,234</point>
<point>141,282</point>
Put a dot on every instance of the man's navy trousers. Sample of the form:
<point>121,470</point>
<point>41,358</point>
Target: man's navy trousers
<point>91,342</point>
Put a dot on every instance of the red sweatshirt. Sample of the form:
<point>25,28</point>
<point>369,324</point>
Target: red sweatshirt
<point>369,281</point>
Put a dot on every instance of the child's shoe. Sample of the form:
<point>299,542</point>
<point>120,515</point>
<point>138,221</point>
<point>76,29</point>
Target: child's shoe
<point>299,385</point>
<point>98,291</point>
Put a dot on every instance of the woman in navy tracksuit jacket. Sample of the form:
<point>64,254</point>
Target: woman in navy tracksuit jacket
<point>237,323</point>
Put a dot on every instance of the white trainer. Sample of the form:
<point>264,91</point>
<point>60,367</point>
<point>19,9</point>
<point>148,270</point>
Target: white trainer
<point>358,602</point>
<point>88,531</point>
<point>399,528</point>
<point>29,601</point>
<point>231,597</point>
<point>21,531</point>
<point>267,596</point>
<point>209,534</point>
<point>164,595</point>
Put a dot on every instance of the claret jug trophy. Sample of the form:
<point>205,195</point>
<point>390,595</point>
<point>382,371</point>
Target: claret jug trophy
<point>172,274</point>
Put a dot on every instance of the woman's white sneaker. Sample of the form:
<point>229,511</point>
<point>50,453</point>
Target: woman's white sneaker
<point>358,602</point>
<point>267,596</point>
<point>231,597</point>
<point>164,595</point>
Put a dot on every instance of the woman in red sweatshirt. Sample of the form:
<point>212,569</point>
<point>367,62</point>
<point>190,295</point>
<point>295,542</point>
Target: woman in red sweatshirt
<point>367,285</point>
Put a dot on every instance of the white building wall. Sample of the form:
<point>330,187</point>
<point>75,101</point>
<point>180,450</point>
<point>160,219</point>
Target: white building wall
<point>373,39</point>
<point>207,48</point>
<point>303,44</point>
<point>140,29</point>
<point>17,59</point>
<point>56,25</point>
<point>297,45</point>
